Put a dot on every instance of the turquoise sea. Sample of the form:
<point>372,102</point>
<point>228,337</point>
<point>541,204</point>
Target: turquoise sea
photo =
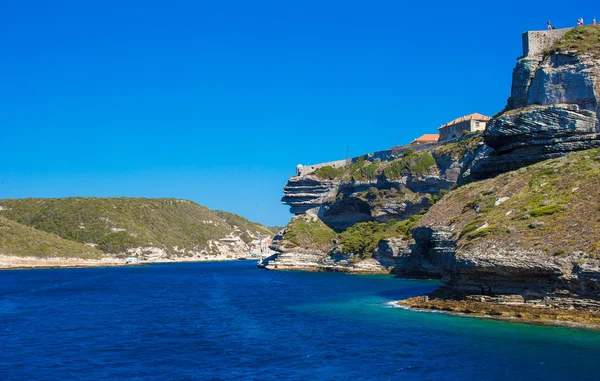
<point>232,321</point>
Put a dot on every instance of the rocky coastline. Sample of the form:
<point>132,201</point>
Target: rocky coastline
<point>553,311</point>
<point>29,263</point>
<point>514,210</point>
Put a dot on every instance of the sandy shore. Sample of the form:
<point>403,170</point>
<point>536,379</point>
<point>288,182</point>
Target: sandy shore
<point>443,301</point>
<point>13,263</point>
<point>18,263</point>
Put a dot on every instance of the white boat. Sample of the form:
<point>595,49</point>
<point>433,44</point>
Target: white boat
<point>132,261</point>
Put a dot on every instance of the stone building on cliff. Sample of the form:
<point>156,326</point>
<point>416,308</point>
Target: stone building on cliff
<point>468,123</point>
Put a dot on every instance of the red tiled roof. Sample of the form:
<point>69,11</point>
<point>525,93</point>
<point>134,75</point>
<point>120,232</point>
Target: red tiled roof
<point>428,138</point>
<point>475,116</point>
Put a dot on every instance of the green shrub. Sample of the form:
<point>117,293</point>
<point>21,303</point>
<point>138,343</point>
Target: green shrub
<point>481,233</point>
<point>329,172</point>
<point>409,152</point>
<point>368,172</point>
<point>396,169</point>
<point>423,163</point>
<point>545,210</point>
<point>410,163</point>
<point>469,228</point>
<point>458,149</point>
<point>361,171</point>
<point>362,238</point>
<point>403,228</point>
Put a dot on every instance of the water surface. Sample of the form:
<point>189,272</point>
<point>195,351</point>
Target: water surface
<point>230,320</point>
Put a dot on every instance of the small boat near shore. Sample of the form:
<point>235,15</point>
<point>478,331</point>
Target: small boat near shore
<point>132,261</point>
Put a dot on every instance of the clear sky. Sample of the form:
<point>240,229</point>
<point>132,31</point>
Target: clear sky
<point>218,101</point>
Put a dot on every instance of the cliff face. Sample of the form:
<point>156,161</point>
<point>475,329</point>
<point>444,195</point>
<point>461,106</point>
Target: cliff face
<point>329,201</point>
<point>381,190</point>
<point>554,105</point>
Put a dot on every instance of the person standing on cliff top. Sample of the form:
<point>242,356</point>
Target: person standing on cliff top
<point>580,21</point>
<point>594,21</point>
<point>549,24</point>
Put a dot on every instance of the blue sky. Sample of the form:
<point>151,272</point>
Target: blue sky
<point>218,101</point>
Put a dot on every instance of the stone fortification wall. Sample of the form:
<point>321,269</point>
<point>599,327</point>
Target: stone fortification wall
<point>395,153</point>
<point>303,170</point>
<point>535,42</point>
<point>386,155</point>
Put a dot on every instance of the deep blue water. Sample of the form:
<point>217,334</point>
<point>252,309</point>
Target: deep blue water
<point>231,320</point>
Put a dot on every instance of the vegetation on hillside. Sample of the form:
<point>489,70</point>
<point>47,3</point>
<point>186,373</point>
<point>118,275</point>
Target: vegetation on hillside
<point>362,239</point>
<point>310,233</point>
<point>460,148</point>
<point>552,206</point>
<point>581,40</point>
<point>330,173</point>
<point>23,241</point>
<point>359,240</point>
<point>117,224</point>
<point>411,163</point>
<point>364,170</point>
<point>415,163</point>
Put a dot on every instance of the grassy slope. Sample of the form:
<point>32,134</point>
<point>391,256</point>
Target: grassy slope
<point>580,40</point>
<point>458,149</point>
<point>309,233</point>
<point>553,206</point>
<point>21,240</point>
<point>116,224</point>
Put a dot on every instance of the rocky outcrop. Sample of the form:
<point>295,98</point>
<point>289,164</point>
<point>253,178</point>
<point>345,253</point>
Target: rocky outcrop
<point>399,186</point>
<point>345,201</point>
<point>378,201</point>
<point>433,249</point>
<point>526,136</point>
<point>513,270</point>
<point>553,110</point>
<point>531,232</point>
<point>312,260</point>
<point>393,256</point>
<point>303,193</point>
<point>492,266</point>
<point>341,205</point>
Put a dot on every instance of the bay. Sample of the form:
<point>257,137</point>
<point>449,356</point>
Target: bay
<point>231,320</point>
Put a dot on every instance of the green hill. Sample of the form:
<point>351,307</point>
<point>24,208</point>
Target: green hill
<point>114,225</point>
<point>23,241</point>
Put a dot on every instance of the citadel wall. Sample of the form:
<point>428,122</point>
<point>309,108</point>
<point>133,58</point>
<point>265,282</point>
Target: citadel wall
<point>534,42</point>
